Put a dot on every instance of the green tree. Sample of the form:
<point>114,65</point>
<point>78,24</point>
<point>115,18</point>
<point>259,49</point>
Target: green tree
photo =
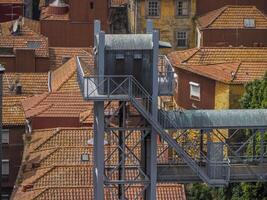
<point>255,96</point>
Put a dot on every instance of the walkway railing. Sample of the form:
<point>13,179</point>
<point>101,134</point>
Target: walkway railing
<point>129,89</point>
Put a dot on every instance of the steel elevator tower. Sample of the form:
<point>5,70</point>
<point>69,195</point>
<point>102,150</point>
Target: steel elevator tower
<point>149,143</point>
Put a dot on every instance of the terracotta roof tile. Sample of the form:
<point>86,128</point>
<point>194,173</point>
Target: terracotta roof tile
<point>11,1</point>
<point>60,172</point>
<point>215,55</point>
<point>57,104</point>
<point>58,54</point>
<point>32,83</point>
<point>46,15</point>
<point>29,33</point>
<point>13,111</point>
<point>229,65</point>
<point>250,71</point>
<point>230,17</point>
<point>65,77</point>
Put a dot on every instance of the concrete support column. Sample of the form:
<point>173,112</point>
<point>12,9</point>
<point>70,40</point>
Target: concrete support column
<point>2,70</point>
<point>99,150</point>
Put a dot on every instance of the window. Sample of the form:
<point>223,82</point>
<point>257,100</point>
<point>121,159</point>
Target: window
<point>4,196</point>
<point>181,37</point>
<point>5,136</point>
<point>194,91</point>
<point>5,167</point>
<point>91,5</point>
<point>249,23</point>
<point>182,7</point>
<point>153,8</point>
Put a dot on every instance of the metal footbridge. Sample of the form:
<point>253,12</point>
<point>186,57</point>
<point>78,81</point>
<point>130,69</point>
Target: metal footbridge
<point>156,144</point>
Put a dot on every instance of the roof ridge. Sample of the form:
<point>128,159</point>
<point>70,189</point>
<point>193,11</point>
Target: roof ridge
<point>57,130</point>
<point>238,68</point>
<point>68,75</point>
<point>42,107</point>
<point>42,98</point>
<point>223,9</point>
<point>197,50</point>
<point>50,152</point>
<point>46,170</point>
<point>260,12</point>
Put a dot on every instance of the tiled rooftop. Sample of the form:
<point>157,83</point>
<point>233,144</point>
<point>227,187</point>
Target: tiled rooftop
<point>11,1</point>
<point>56,104</point>
<point>215,55</point>
<point>59,54</point>
<point>29,33</point>
<point>54,170</point>
<point>32,84</point>
<point>64,78</point>
<point>229,65</point>
<point>46,15</point>
<point>232,17</point>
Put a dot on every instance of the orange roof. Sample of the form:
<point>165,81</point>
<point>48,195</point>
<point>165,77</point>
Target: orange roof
<point>228,65</point>
<point>46,15</point>
<point>58,54</point>
<point>64,78</point>
<point>232,17</point>
<point>215,55</point>
<point>53,167</point>
<point>29,34</point>
<point>11,1</point>
<point>56,104</point>
<point>32,83</point>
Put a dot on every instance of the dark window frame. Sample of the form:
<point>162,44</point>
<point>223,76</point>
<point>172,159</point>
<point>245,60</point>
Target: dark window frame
<point>158,9</point>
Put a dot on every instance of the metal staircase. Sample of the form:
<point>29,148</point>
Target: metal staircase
<point>127,88</point>
<point>144,106</point>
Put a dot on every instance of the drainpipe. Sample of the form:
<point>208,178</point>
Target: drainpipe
<point>2,70</point>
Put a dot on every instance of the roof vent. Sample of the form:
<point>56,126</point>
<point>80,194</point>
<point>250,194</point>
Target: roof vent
<point>18,89</point>
<point>85,157</point>
<point>58,7</point>
<point>91,142</point>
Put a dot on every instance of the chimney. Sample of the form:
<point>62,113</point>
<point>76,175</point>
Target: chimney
<point>18,89</point>
<point>58,7</point>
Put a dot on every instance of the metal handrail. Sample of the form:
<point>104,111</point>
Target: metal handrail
<point>138,95</point>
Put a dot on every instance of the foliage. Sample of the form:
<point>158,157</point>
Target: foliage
<point>255,96</point>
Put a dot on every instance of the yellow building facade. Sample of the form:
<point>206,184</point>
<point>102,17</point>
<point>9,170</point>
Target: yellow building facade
<point>227,96</point>
<point>173,18</point>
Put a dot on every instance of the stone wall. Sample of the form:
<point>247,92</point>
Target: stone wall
<point>167,23</point>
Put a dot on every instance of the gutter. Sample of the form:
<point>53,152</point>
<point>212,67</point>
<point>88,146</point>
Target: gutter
<point>49,81</point>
